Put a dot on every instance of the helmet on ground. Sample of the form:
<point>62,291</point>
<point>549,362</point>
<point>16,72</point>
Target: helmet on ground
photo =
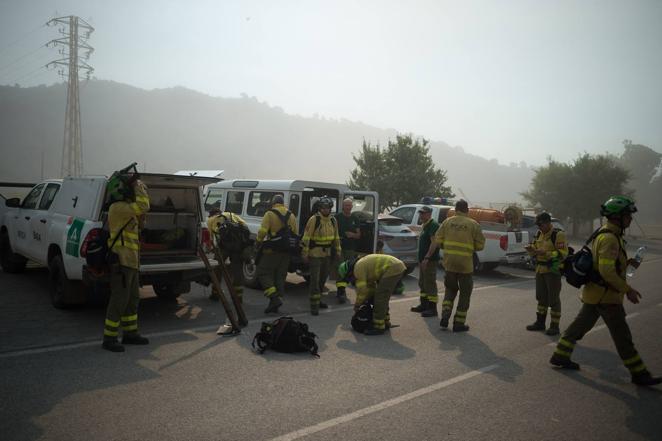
<point>543,218</point>
<point>618,205</point>
<point>325,202</point>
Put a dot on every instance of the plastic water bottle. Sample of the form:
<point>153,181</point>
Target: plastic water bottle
<point>638,257</point>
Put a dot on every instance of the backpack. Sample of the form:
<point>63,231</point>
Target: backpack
<point>98,253</point>
<point>578,267</point>
<point>362,319</point>
<point>285,335</point>
<point>284,240</point>
<point>233,236</point>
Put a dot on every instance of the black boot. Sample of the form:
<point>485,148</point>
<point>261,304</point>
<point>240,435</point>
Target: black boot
<point>373,331</point>
<point>112,345</point>
<point>134,339</point>
<point>539,324</point>
<point>421,306</point>
<point>563,362</point>
<point>324,305</point>
<point>431,310</point>
<point>460,327</point>
<point>274,303</point>
<point>553,329</point>
<point>341,295</point>
<point>645,379</point>
<point>444,320</point>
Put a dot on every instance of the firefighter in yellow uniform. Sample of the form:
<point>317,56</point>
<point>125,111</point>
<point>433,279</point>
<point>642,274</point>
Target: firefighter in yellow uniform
<point>376,276</point>
<point>321,248</point>
<point>603,297</point>
<point>459,237</point>
<point>124,222</point>
<point>549,250</point>
<point>274,261</point>
<point>214,222</point>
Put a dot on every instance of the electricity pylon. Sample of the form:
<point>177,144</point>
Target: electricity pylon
<point>75,33</point>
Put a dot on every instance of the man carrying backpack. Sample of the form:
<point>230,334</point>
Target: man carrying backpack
<point>549,249</point>
<point>130,203</point>
<point>376,277</point>
<point>278,224</point>
<point>321,246</point>
<point>603,295</point>
<point>231,235</point>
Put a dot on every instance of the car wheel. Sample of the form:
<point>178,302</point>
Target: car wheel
<point>410,269</point>
<point>490,266</point>
<point>64,292</point>
<point>170,291</point>
<point>11,262</point>
<point>478,265</point>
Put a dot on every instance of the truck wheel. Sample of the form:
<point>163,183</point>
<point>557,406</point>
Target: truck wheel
<point>10,261</point>
<point>250,273</point>
<point>64,292</point>
<point>490,266</point>
<point>478,265</point>
<point>170,291</point>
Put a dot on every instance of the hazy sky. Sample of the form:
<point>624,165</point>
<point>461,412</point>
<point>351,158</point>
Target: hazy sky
<point>512,80</point>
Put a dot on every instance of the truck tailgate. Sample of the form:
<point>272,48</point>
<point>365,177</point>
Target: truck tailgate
<point>166,264</point>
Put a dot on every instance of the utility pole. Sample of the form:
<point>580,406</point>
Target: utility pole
<point>75,32</point>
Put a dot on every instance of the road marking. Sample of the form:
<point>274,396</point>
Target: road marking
<point>208,328</point>
<point>381,406</point>
<point>602,326</point>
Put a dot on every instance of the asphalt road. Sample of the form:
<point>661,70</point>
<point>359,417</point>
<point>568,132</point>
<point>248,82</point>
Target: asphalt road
<point>415,383</point>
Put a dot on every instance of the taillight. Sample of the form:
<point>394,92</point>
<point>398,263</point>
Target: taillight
<point>205,238</point>
<point>94,233</point>
<point>503,242</point>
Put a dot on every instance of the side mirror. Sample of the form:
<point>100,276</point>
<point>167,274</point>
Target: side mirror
<point>13,202</point>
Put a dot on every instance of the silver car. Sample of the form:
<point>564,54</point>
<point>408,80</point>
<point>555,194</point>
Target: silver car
<point>399,240</point>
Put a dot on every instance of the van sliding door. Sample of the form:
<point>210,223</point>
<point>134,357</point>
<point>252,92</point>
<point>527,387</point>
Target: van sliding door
<point>366,208</point>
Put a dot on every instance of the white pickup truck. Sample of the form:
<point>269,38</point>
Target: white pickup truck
<point>501,246</point>
<point>54,222</point>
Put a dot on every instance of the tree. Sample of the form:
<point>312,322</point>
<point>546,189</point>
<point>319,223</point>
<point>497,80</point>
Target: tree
<point>403,172</point>
<point>576,190</point>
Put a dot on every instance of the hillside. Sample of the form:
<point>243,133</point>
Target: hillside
<point>171,129</point>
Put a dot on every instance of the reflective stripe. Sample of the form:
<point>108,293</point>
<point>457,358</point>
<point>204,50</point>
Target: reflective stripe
<point>136,208</point>
<point>447,303</point>
<point>108,333</point>
<point>269,291</point>
<point>641,367</point>
<point>129,318</point>
<point>562,352</point>
<point>142,199</point>
<point>133,327</point>
<point>542,309</point>
<point>432,298</point>
<point>458,253</point>
<point>459,244</point>
<point>632,360</point>
<point>341,284</point>
<point>605,261</point>
<point>112,323</point>
<point>461,313</point>
<point>130,235</point>
<point>566,343</point>
<point>459,319</point>
<point>361,283</point>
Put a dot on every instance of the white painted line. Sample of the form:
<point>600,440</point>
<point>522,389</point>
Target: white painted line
<point>602,326</point>
<point>380,406</point>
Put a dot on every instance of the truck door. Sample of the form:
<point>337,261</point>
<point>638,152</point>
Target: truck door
<point>366,208</point>
<point>39,223</point>
<point>23,229</point>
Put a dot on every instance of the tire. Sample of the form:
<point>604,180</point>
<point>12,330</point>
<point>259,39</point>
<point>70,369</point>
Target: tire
<point>490,266</point>
<point>478,265</point>
<point>10,261</point>
<point>410,269</point>
<point>250,272</point>
<point>64,292</point>
<point>170,291</point>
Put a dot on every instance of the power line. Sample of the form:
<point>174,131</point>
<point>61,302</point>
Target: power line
<point>22,37</point>
<point>22,57</point>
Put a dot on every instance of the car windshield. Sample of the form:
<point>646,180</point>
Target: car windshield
<point>392,226</point>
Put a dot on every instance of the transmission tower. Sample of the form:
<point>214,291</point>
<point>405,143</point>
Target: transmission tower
<point>75,32</point>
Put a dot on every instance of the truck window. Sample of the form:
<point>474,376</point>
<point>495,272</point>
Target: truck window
<point>214,199</point>
<point>259,202</point>
<point>30,201</point>
<point>404,213</point>
<point>235,202</point>
<point>294,204</point>
<point>49,195</point>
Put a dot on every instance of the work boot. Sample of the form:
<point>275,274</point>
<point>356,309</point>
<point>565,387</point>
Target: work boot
<point>314,312</point>
<point>112,346</point>
<point>134,339</point>
<point>564,362</point>
<point>214,296</point>
<point>323,305</point>
<point>444,321</point>
<point>539,324</point>
<point>645,379</point>
<point>553,329</point>
<point>431,310</point>
<point>374,331</point>
<point>421,306</point>
<point>274,303</point>
<point>459,327</point>
<point>341,295</point>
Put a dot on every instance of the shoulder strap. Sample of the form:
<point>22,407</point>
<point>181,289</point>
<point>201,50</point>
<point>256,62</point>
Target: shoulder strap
<point>283,218</point>
<point>119,233</point>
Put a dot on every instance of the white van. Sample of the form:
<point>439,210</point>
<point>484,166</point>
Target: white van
<point>250,199</point>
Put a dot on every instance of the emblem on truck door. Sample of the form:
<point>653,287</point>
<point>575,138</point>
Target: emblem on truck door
<point>73,237</point>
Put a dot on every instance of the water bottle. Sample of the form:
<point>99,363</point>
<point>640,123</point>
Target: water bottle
<point>638,257</point>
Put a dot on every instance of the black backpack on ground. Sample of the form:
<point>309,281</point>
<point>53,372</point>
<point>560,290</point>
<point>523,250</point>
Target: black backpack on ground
<point>362,319</point>
<point>285,335</point>
<point>233,236</point>
<point>284,240</point>
<point>578,267</point>
<point>98,254</point>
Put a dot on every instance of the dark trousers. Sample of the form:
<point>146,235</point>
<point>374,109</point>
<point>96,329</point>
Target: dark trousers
<point>548,290</point>
<point>319,272</point>
<point>427,281</point>
<point>123,303</point>
<point>454,282</point>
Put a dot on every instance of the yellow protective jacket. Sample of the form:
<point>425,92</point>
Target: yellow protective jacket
<point>370,269</point>
<point>317,242</point>
<point>127,246</point>
<point>555,252</point>
<point>459,236</point>
<point>214,222</point>
<point>271,224</point>
<point>608,255</point>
